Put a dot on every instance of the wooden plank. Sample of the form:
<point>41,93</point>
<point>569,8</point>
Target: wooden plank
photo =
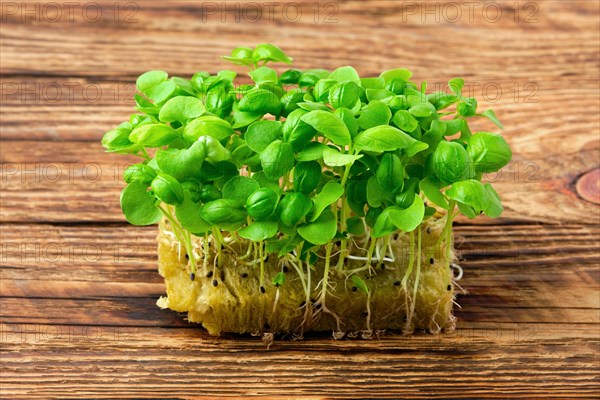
<point>78,181</point>
<point>79,47</point>
<point>181,363</point>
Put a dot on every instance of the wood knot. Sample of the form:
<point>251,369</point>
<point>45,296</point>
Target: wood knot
<point>588,186</point>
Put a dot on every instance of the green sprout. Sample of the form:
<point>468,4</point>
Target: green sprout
<point>304,164</point>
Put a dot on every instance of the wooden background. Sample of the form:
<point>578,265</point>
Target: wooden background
<point>79,285</point>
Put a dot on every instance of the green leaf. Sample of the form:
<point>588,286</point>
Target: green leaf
<point>184,85</point>
<point>383,224</point>
<point>453,126</point>
<point>467,211</point>
<point>290,101</point>
<point>184,163</point>
<point>375,193</point>
<point>313,106</point>
<point>494,208</point>
<point>297,132</point>
<point>374,114</point>
<point>117,141</point>
<point>360,284</point>
<point>188,214</point>
<point>382,138</point>
<point>451,162</point>
<point>471,193</point>
<point>390,173</point>
<point>139,173</point>
<point>144,105</point>
<point>150,79</point>
<point>161,92</point>
<point>476,197</point>
<point>431,189</point>
<point>410,189</point>
<point>219,100</point>
<point>345,74</point>
<point>372,215</point>
<point>221,212</point>
<point>215,151</point>
<point>399,73</point>
<point>320,230</point>
<point>329,194</point>
<point>422,110</point>
<point>396,86</point>
<point>153,135</point>
<point>347,116</point>
<point>489,151</point>
<point>307,175</point>
<point>312,151</point>
<point>308,79</point>
<point>259,230</point>
<point>277,159</point>
<point>242,119</point>
<point>322,88</point>
<point>372,83</point>
<point>290,77</point>
<point>209,193</point>
<point>261,134</point>
<point>181,108</point>
<point>344,95</point>
<point>192,187</point>
<point>435,134</point>
<point>415,148</point>
<point>241,56</point>
<point>262,180</point>
<point>138,205</point>
<point>334,158</point>
<point>491,115</point>
<point>405,121</point>
<point>279,279</point>
<point>292,208</point>
<point>378,94</point>
<point>262,203</point>
<point>355,226</point>
<point>268,52</point>
<point>208,125</point>
<point>329,126</point>
<point>456,85</point>
<point>167,189</point>
<point>263,74</point>
<point>441,100</point>
<point>467,107</point>
<point>410,218</point>
<point>239,188</point>
<point>260,101</point>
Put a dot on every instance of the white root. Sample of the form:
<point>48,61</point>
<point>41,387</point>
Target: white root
<point>459,269</point>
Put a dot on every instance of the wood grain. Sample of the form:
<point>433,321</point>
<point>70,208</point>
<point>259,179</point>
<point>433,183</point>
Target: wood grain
<point>78,286</point>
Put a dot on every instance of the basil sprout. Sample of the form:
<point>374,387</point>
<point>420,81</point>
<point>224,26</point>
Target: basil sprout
<point>293,208</point>
<point>167,189</point>
<point>303,161</point>
<point>489,151</point>
<point>307,176</point>
<point>222,212</point>
<point>262,203</point>
<point>451,162</point>
<point>138,205</point>
<point>277,159</point>
<point>141,173</point>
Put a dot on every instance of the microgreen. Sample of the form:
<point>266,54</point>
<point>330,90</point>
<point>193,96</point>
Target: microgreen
<point>304,161</point>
